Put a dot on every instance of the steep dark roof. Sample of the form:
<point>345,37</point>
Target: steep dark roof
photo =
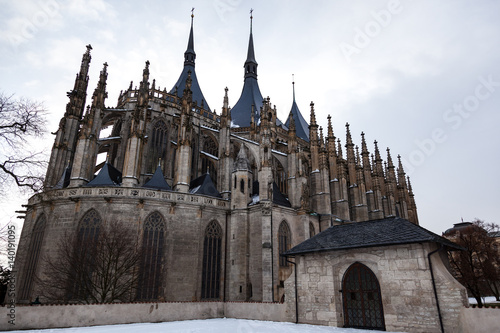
<point>250,95</point>
<point>64,180</point>
<point>301,125</point>
<point>158,181</point>
<point>108,176</point>
<point>204,185</point>
<point>383,232</point>
<point>278,197</point>
<point>189,63</point>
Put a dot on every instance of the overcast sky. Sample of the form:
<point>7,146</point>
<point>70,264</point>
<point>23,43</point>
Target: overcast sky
<point>421,77</point>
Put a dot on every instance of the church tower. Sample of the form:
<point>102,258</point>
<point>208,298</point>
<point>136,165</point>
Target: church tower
<point>67,134</point>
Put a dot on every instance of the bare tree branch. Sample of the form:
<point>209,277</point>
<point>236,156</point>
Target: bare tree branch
<point>21,120</point>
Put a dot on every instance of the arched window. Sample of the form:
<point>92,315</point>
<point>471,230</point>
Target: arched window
<point>150,272</point>
<point>362,298</point>
<point>84,253</point>
<point>90,224</point>
<point>284,241</point>
<point>207,163</point>
<point>158,147</point>
<point>312,231</point>
<point>212,249</point>
<point>281,179</point>
<point>33,254</point>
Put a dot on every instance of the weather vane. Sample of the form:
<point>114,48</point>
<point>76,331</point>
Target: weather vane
<point>192,12</point>
<point>251,11</point>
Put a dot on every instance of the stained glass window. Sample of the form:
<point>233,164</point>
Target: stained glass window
<point>33,255</point>
<point>150,272</point>
<point>212,249</point>
<point>284,240</point>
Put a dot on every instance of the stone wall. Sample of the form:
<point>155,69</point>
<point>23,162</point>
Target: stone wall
<point>476,320</point>
<point>405,281</point>
<point>40,317</point>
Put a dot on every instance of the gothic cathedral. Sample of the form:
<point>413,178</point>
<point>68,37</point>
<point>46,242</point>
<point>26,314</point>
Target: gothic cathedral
<point>214,198</point>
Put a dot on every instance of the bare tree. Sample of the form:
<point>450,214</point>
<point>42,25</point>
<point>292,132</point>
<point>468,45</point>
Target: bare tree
<point>478,267</point>
<point>101,269</point>
<point>20,120</point>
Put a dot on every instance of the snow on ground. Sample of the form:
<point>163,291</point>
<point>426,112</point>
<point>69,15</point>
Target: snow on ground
<point>489,299</point>
<point>206,326</point>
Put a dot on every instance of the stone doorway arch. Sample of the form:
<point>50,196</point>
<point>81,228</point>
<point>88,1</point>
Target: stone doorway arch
<point>362,300</point>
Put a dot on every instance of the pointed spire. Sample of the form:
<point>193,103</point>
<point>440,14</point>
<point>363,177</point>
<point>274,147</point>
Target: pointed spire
<point>100,93</point>
<point>293,86</point>
<point>401,173</point>
<point>321,138</point>
<point>358,159</point>
<point>190,55</point>
<point>313,115</point>
<point>251,63</point>
<point>364,147</point>
<point>330,128</point>
<point>410,189</point>
<point>78,95</point>
<point>340,149</point>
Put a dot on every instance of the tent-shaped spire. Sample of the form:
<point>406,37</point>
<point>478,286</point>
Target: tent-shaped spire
<point>108,176</point>
<point>204,185</point>
<point>158,181</point>
<point>301,125</point>
<point>189,63</point>
<point>64,180</point>
<point>250,95</point>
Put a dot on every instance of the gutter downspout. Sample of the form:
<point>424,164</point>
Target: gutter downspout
<point>296,298</point>
<point>434,285</point>
<point>272,254</point>
<point>225,260</point>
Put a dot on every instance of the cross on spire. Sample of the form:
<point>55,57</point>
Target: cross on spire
<point>192,12</point>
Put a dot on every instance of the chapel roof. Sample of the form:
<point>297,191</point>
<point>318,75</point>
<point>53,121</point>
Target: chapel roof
<point>383,232</point>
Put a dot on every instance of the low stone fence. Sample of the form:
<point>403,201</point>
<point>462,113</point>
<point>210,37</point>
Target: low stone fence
<point>479,320</point>
<point>58,316</point>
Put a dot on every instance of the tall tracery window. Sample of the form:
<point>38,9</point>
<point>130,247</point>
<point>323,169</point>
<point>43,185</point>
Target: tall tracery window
<point>32,256</point>
<point>159,139</point>
<point>281,179</point>
<point>284,241</point>
<point>150,272</point>
<point>207,163</point>
<point>212,249</point>
<point>84,253</point>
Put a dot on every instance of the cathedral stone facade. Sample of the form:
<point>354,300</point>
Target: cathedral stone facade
<point>217,196</point>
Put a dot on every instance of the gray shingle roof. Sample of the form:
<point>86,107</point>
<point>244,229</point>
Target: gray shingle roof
<point>204,185</point>
<point>301,125</point>
<point>108,176</point>
<point>383,232</point>
<point>158,181</point>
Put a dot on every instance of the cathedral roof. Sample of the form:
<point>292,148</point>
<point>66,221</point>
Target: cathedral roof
<point>158,181</point>
<point>250,95</point>
<point>189,63</point>
<point>301,125</point>
<point>108,176</point>
<point>383,232</point>
<point>204,185</point>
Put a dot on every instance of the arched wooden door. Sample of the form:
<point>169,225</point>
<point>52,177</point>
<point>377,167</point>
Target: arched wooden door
<point>362,299</point>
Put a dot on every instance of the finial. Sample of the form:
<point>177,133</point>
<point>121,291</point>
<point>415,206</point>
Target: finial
<point>251,19</point>
<point>192,14</point>
<point>89,47</point>
<point>159,161</point>
<point>293,86</point>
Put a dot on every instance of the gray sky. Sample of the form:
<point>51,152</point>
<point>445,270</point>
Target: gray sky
<point>421,77</point>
